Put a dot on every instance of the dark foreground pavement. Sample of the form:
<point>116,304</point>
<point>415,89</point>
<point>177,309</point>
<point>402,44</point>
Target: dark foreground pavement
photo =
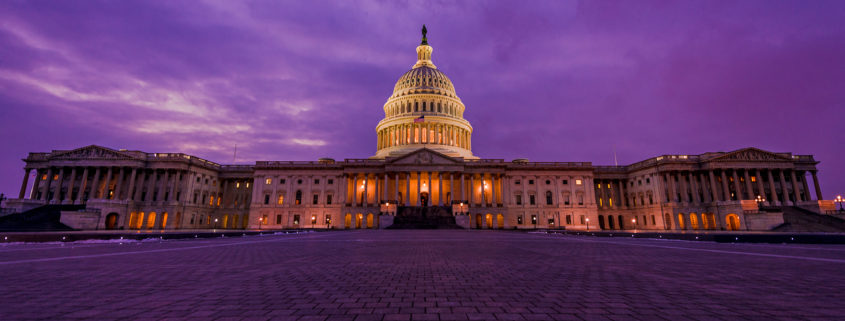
<point>421,275</point>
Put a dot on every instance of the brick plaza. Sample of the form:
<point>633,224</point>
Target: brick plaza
<point>421,275</point>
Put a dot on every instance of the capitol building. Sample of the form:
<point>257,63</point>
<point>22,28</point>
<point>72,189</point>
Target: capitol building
<point>423,172</point>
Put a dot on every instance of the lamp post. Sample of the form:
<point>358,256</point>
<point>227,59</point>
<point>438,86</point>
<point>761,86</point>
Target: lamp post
<point>759,201</point>
<point>215,223</point>
<point>839,200</point>
<point>634,223</point>
<point>313,220</point>
<point>588,224</point>
<point>260,221</point>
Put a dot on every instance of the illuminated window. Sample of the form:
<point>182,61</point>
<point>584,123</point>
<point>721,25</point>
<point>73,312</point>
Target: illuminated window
<point>247,184</point>
<point>519,220</point>
<point>298,199</point>
<point>753,178</point>
<point>56,177</point>
<point>44,177</point>
<point>218,201</point>
<point>281,200</point>
<point>328,219</point>
<point>210,202</point>
<point>577,182</point>
<point>238,185</point>
<point>296,219</point>
<point>268,181</point>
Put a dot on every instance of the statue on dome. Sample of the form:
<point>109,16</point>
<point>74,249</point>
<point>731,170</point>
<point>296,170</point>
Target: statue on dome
<point>424,40</point>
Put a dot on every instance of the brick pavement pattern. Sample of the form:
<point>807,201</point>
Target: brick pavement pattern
<point>421,275</point>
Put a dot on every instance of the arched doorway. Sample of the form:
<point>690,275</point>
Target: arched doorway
<point>705,223</point>
<point>667,220</point>
<point>111,221</point>
<point>621,222</point>
<point>151,220</point>
<point>478,221</point>
<point>133,220</point>
<point>680,221</point>
<point>226,221</point>
<point>424,198</point>
<point>500,221</point>
<point>489,219</point>
<point>164,220</point>
<point>601,222</point>
<point>610,224</point>
<point>359,220</point>
<point>693,221</point>
<point>733,222</point>
<point>370,220</point>
<point>245,221</point>
<point>347,221</point>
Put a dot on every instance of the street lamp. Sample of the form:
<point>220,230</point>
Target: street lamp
<point>215,223</point>
<point>839,200</point>
<point>588,224</point>
<point>760,201</point>
<point>634,223</point>
<point>260,221</point>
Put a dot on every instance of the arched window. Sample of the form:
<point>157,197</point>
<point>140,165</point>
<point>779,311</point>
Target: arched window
<point>416,106</point>
<point>439,108</point>
<point>423,107</point>
<point>298,197</point>
<point>548,198</point>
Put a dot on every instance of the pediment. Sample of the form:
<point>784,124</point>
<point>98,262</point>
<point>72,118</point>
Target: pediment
<point>90,152</point>
<point>749,154</point>
<point>424,157</point>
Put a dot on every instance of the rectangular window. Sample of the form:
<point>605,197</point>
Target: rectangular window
<point>534,219</point>
<point>329,199</point>
<point>582,219</point>
<point>531,199</point>
<point>530,182</point>
<point>281,200</point>
<point>331,181</point>
<point>316,198</point>
<point>566,200</point>
<point>278,219</point>
<point>56,177</point>
<point>565,182</point>
<point>519,220</point>
<point>568,219</point>
<point>267,199</point>
<point>551,221</point>
<point>517,182</point>
<point>296,219</point>
<point>653,221</point>
<point>268,181</point>
<point>580,199</point>
<point>282,181</point>
<point>316,181</point>
<point>237,184</point>
<point>328,219</point>
<point>577,182</point>
<point>519,200</point>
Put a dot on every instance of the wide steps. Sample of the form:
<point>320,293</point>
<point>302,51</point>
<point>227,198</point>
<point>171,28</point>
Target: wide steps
<point>797,219</point>
<point>424,217</point>
<point>42,218</point>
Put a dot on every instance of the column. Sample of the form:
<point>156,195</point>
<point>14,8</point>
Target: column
<point>714,193</point>
<point>693,187</point>
<point>472,189</point>
<point>737,188</point>
<point>430,189</point>
<point>34,191</point>
<point>130,191</point>
<point>664,182</point>
<point>96,182</point>
<point>136,194</point>
<point>118,187</point>
<point>795,193</point>
<point>493,190</point>
<point>685,197</point>
<point>483,190</point>
<point>524,184</point>
<point>673,193</point>
<point>396,188</point>
<point>620,186</point>
<point>69,196</point>
<point>56,194</point>
<point>344,191</point>
<point>386,188</point>
<point>376,186</point>
<point>807,196</point>
<point>725,189</point>
<point>355,190</point>
<point>462,187</point>
<point>46,192</point>
<point>25,182</point>
<point>440,188</point>
<point>107,183</point>
<point>408,189</point>
<point>761,190</point>
<point>816,185</point>
<point>705,197</point>
<point>748,188</point>
<point>772,189</point>
<point>151,183</point>
<point>783,192</point>
<point>172,194</point>
<point>419,184</point>
<point>160,188</point>
<point>451,187</point>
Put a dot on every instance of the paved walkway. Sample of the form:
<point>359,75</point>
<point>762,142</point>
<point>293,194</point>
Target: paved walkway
<point>421,275</point>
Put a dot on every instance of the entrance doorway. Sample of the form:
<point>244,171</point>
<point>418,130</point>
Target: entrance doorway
<point>111,221</point>
<point>424,198</point>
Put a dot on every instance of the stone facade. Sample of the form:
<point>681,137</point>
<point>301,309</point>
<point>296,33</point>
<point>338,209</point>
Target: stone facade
<point>424,158</point>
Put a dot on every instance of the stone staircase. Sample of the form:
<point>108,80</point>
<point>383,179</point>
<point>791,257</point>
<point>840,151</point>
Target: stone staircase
<point>42,218</point>
<point>797,219</point>
<point>424,217</point>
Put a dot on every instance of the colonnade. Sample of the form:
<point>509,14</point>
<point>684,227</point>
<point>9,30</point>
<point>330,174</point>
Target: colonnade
<point>737,184</point>
<point>77,184</point>
<point>424,133</point>
<point>444,188</point>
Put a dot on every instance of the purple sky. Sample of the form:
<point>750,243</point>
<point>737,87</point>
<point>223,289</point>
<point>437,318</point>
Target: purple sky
<point>549,81</point>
